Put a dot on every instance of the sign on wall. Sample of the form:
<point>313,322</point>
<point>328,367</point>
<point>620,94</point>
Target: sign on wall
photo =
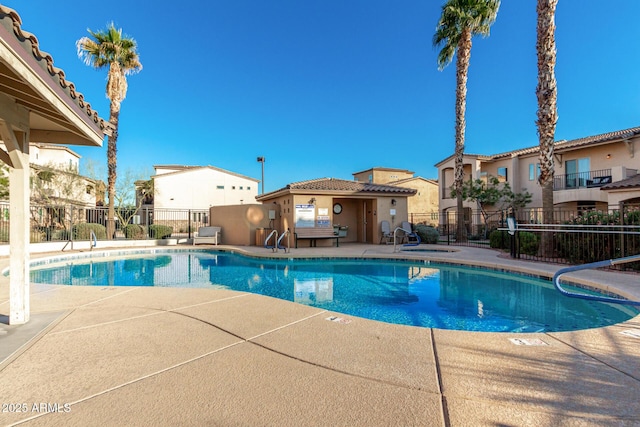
<point>323,221</point>
<point>305,216</point>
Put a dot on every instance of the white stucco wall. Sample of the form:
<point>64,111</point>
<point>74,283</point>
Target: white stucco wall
<point>199,188</point>
<point>54,156</point>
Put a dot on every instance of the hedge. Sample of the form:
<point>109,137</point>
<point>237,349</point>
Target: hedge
<point>83,231</point>
<point>134,231</point>
<point>160,231</point>
<point>427,233</point>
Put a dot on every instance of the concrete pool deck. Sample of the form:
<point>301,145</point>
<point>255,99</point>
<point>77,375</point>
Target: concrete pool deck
<point>168,356</point>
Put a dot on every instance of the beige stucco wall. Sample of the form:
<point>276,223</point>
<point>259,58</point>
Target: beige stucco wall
<point>446,178</point>
<point>382,175</point>
<point>240,222</point>
<point>618,158</point>
<point>627,196</point>
<point>426,198</point>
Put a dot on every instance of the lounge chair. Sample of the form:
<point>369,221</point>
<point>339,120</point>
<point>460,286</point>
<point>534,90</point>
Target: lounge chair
<point>209,235</point>
<point>386,233</point>
<point>409,237</point>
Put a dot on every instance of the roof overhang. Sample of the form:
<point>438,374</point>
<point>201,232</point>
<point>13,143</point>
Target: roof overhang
<point>57,114</point>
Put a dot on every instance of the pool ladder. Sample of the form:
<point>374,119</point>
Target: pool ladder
<point>408,233</point>
<point>598,264</point>
<point>277,245</point>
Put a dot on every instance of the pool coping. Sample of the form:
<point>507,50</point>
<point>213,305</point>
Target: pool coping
<point>580,281</point>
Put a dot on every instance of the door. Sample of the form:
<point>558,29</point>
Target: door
<point>368,221</point>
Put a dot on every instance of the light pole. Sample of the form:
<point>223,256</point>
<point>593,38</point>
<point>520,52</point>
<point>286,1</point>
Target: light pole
<point>261,160</point>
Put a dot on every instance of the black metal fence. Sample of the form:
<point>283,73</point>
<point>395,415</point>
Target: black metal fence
<point>68,222</point>
<point>575,236</point>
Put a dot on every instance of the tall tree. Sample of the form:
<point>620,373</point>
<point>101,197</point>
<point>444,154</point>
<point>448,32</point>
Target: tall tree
<point>460,21</point>
<point>547,94</point>
<point>111,49</point>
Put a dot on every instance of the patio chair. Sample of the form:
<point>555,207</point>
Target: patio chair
<point>386,233</point>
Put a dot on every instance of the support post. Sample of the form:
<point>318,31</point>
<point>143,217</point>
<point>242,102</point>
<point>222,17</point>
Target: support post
<point>17,144</point>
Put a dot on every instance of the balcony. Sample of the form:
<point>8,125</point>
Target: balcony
<point>591,179</point>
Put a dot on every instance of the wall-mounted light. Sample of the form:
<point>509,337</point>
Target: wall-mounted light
<point>608,156</point>
<point>312,200</point>
<point>393,202</point>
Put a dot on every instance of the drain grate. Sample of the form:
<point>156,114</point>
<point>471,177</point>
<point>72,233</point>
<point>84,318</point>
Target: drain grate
<point>338,320</point>
<point>527,341</point>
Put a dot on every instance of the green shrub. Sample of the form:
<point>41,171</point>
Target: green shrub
<point>61,235</point>
<point>529,243</point>
<point>427,233</point>
<point>585,247</point>
<point>83,231</point>
<point>499,239</point>
<point>160,231</point>
<point>134,231</point>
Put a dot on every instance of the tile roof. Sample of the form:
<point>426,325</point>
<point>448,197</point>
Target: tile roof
<point>558,146</point>
<point>580,142</point>
<point>334,185</point>
<point>629,183</point>
<point>30,43</point>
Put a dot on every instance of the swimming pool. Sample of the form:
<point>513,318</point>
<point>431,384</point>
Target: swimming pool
<point>416,293</point>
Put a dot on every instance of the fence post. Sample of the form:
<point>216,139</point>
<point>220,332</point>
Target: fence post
<point>622,235</point>
<point>447,229</point>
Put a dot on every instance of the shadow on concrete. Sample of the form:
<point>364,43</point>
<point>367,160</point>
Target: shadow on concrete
<point>16,338</point>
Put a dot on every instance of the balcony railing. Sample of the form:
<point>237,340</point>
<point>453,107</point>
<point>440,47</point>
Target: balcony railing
<point>589,179</point>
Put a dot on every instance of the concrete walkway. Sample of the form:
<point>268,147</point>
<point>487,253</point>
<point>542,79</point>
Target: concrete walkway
<point>122,356</point>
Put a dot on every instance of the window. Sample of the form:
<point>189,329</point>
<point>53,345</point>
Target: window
<point>220,187</point>
<point>484,177</point>
<point>370,178</point>
<point>233,187</point>
<point>534,171</point>
<point>241,187</point>
<point>502,174</point>
<point>248,188</point>
<point>577,172</point>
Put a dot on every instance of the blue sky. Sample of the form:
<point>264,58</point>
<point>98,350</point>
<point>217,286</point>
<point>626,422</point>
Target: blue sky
<point>326,88</point>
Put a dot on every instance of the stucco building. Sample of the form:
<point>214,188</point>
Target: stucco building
<point>594,172</point>
<point>357,208</point>
<point>200,187</point>
<point>421,204</point>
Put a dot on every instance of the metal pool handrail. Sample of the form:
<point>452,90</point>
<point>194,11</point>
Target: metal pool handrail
<point>598,264</point>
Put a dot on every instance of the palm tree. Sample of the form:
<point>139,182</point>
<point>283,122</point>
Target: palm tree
<point>547,94</point>
<point>460,21</point>
<point>110,49</point>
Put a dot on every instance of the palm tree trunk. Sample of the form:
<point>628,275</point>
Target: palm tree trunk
<point>111,167</point>
<point>547,94</point>
<point>462,69</point>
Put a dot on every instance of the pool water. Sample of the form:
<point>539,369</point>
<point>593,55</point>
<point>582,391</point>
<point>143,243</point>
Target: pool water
<point>404,292</point>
